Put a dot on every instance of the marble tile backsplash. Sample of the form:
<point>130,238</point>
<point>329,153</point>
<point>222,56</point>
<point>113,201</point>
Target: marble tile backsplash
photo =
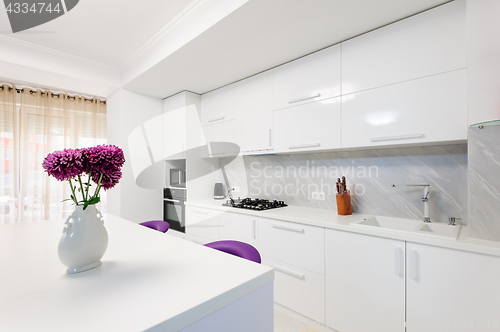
<point>484,182</point>
<point>370,174</point>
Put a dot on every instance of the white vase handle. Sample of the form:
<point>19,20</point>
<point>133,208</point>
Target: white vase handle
<point>67,224</point>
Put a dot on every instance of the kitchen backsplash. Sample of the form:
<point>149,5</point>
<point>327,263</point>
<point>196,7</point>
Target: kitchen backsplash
<point>369,173</point>
<point>484,181</point>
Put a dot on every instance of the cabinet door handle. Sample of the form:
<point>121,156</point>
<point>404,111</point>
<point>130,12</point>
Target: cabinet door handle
<point>312,145</point>
<point>395,138</point>
<point>398,255</point>
<point>255,229</point>
<point>201,212</point>
<point>287,271</point>
<point>289,228</point>
<point>216,119</point>
<point>270,137</point>
<point>304,98</point>
<point>413,264</point>
<point>217,154</point>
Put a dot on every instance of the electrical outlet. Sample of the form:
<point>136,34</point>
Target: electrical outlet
<point>236,189</point>
<point>319,196</point>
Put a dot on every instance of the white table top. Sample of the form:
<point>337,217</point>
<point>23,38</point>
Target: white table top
<point>147,279</point>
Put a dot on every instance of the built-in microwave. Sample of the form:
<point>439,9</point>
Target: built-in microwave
<point>177,177</point>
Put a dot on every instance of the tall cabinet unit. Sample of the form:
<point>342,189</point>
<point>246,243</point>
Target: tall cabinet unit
<point>254,113</point>
<point>450,290</point>
<point>365,282</point>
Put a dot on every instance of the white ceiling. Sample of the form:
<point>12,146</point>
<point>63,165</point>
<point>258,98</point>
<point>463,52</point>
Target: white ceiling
<point>259,35</point>
<point>106,31</point>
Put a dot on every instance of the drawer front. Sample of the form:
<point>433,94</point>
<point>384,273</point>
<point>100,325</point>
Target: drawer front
<point>430,109</point>
<point>298,289</point>
<point>311,78</point>
<point>314,126</point>
<point>295,244</point>
<point>238,227</point>
<point>202,222</point>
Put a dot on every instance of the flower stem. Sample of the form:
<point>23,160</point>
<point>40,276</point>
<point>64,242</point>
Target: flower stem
<point>73,191</point>
<point>98,189</point>
<point>88,184</point>
<point>81,188</point>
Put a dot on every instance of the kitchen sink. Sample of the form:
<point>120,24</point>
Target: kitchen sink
<point>409,226</point>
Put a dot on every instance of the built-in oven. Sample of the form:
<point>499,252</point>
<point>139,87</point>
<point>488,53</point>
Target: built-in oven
<point>174,211</point>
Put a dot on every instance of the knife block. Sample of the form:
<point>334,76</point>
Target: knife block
<point>344,207</point>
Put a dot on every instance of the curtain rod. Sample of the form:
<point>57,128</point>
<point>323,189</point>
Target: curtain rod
<point>52,93</point>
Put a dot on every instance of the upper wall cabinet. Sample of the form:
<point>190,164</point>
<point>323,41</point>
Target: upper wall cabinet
<point>218,105</point>
<point>430,109</point>
<point>254,113</point>
<point>425,44</point>
<point>174,127</point>
<point>309,127</point>
<point>311,78</point>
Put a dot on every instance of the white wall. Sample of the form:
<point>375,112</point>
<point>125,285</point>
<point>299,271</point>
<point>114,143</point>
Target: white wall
<point>483,60</point>
<point>126,111</point>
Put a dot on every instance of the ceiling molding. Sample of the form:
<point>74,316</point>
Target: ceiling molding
<point>191,10</point>
<point>58,53</point>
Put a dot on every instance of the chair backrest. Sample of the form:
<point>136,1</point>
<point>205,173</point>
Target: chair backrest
<point>158,225</point>
<point>236,248</point>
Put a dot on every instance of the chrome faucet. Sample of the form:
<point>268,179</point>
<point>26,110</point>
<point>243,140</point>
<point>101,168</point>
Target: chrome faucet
<point>425,199</point>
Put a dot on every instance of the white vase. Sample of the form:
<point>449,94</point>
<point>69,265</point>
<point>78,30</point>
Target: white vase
<point>84,240</point>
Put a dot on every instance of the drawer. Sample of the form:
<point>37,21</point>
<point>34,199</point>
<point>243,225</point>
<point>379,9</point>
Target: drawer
<point>298,289</point>
<point>295,244</point>
<point>202,222</point>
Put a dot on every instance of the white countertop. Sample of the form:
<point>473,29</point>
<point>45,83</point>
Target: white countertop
<point>147,279</point>
<point>330,219</point>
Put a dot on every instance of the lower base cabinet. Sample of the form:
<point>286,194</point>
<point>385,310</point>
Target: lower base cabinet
<point>298,289</point>
<point>365,283</point>
<point>451,290</point>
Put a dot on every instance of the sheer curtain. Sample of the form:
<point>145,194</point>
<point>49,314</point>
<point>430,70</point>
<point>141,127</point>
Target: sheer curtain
<point>33,123</point>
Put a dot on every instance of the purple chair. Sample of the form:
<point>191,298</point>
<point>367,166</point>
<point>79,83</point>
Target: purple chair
<point>236,248</point>
<point>157,225</point>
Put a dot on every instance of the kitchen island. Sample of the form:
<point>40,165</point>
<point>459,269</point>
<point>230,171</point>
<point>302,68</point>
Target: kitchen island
<point>147,281</point>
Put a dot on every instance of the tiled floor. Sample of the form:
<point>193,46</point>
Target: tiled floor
<point>283,323</point>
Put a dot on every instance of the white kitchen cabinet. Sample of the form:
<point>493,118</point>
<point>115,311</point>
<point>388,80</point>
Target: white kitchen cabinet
<point>174,128</point>
<point>238,227</point>
<point>254,113</point>
<point>451,290</point>
<point>202,223</point>
<point>311,78</point>
<point>309,127</point>
<point>218,105</point>
<point>430,109</point>
<point>295,244</point>
<point>220,139</point>
<point>298,289</point>
<point>426,44</point>
<point>365,282</point>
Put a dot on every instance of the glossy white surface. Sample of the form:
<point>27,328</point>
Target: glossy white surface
<point>331,220</point>
<point>309,127</point>
<point>220,132</point>
<point>174,127</point>
<point>147,278</point>
<point>234,226</point>
<point>203,223</point>
<point>317,73</point>
<point>425,44</point>
<point>449,290</point>
<point>254,112</point>
<point>218,105</point>
<point>298,245</point>
<point>298,289</point>
<point>408,225</point>
<point>430,109</point>
<point>365,282</point>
